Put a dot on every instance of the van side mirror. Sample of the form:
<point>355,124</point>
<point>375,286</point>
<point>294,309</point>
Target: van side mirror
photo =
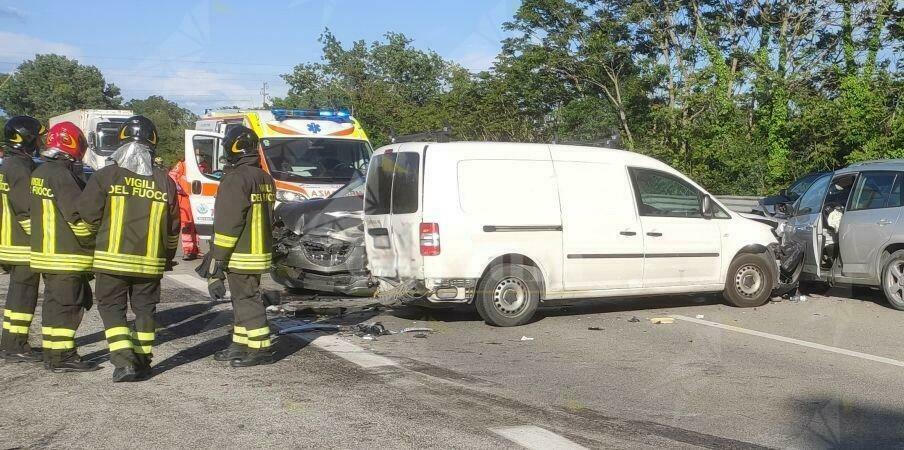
<point>196,187</point>
<point>707,207</point>
<point>92,139</point>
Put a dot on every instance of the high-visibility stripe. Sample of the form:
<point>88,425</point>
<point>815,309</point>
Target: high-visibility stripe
<point>239,330</point>
<point>143,336</point>
<point>117,207</point>
<point>127,268</point>
<point>223,240</point>
<point>143,349</point>
<point>58,332</point>
<point>247,257</point>
<point>258,332</point>
<point>48,224</point>
<point>154,223</point>
<point>26,226</point>
<point>120,345</point>
<point>172,242</point>
<point>12,315</point>
<point>259,344</point>
<point>124,257</point>
<point>80,229</point>
<point>15,329</point>
<point>257,234</point>
<point>62,258</point>
<point>57,345</point>
<point>117,331</point>
<point>6,228</point>
<point>238,339</point>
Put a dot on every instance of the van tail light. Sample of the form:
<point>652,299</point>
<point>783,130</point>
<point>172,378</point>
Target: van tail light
<point>429,239</point>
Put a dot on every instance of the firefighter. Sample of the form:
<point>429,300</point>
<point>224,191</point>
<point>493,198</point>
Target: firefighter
<point>61,247</point>
<point>241,247</point>
<point>132,206</point>
<point>22,137</point>
<point>191,248</point>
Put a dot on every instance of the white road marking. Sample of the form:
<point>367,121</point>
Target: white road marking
<point>775,337</point>
<point>345,350</point>
<point>529,436</point>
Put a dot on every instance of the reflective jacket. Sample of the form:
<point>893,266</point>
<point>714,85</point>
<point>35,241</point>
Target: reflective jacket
<point>15,222</point>
<point>242,221</point>
<point>136,219</point>
<point>60,241</point>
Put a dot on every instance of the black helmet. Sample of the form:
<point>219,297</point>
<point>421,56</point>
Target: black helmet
<point>240,142</point>
<point>139,129</point>
<point>23,133</point>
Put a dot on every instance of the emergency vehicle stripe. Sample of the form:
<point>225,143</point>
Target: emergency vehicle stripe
<point>257,244</point>
<point>48,224</point>
<point>153,245</point>
<point>222,240</point>
<point>117,205</point>
<point>6,233</point>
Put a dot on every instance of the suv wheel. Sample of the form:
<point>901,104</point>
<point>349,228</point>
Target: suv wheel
<point>893,280</point>
<point>508,295</point>
<point>749,281</point>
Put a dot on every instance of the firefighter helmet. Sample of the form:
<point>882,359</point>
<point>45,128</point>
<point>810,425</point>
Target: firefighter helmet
<point>240,142</point>
<point>23,133</point>
<point>67,138</point>
<point>139,129</point>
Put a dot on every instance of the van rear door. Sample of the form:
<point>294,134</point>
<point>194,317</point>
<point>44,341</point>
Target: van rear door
<point>392,216</point>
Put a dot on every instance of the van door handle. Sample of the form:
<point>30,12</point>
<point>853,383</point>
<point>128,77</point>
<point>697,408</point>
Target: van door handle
<point>883,222</point>
<point>654,234</point>
<point>628,233</point>
<point>378,231</point>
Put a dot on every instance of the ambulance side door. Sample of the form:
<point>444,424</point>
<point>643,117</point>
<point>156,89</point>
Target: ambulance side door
<point>202,149</point>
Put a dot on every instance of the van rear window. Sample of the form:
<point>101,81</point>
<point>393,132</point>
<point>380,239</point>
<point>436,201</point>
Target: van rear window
<point>393,184</point>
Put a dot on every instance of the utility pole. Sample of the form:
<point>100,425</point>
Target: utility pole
<point>264,95</point>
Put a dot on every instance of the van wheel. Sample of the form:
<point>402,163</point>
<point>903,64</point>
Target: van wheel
<point>893,280</point>
<point>749,281</point>
<point>508,296</point>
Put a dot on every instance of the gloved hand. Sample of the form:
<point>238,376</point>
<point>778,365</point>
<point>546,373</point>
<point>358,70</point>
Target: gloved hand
<point>217,270</point>
<point>85,297</point>
<point>216,288</point>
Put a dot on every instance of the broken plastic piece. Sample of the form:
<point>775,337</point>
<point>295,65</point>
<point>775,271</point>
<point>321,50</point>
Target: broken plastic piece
<point>416,330</point>
<point>309,327</point>
<point>525,338</point>
<point>376,328</point>
<point>700,316</point>
<point>367,337</point>
<point>798,298</point>
<point>662,320</point>
<point>634,319</point>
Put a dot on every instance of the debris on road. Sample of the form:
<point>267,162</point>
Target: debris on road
<point>309,327</point>
<point>367,337</point>
<point>799,298</point>
<point>416,330</point>
<point>634,319</point>
<point>375,328</point>
<point>420,335</point>
<point>700,316</point>
<point>525,338</point>
<point>662,320</point>
<point>595,328</point>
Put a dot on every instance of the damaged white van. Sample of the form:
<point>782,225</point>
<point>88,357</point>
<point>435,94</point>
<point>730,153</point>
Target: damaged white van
<point>508,226</point>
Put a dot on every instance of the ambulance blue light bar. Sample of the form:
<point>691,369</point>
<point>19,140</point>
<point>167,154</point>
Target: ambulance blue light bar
<point>339,115</point>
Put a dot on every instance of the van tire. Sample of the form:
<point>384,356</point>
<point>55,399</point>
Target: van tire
<point>886,280</point>
<point>749,281</point>
<point>507,286</point>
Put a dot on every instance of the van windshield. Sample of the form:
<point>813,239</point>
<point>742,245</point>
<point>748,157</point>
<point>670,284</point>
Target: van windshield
<point>393,184</point>
<point>316,160</point>
<point>107,140</point>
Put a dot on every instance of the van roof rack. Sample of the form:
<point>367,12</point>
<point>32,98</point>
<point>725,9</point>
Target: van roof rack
<point>443,135</point>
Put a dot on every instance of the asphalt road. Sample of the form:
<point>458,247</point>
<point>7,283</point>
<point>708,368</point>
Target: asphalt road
<point>822,373</point>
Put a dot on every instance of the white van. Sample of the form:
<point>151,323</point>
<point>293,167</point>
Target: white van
<point>508,226</point>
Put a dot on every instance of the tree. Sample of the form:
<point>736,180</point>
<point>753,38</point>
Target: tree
<point>50,85</point>
<point>171,121</point>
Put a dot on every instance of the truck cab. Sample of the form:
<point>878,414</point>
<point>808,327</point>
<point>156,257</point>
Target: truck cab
<point>309,153</point>
<point>101,129</point>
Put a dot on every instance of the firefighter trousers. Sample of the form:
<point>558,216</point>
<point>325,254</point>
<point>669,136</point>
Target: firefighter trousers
<point>114,293</point>
<point>21,301</point>
<point>251,332</point>
<point>61,314</point>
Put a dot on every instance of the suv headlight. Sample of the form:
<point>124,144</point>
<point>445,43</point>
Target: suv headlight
<point>285,196</point>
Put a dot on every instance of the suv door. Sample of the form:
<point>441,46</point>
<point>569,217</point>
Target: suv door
<point>804,226</point>
<point>867,224</point>
<point>681,246</point>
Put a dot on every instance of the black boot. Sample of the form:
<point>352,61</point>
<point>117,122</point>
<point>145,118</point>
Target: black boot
<point>125,374</point>
<point>253,359</point>
<point>27,356</point>
<point>73,364</point>
<point>233,352</point>
<point>143,368</point>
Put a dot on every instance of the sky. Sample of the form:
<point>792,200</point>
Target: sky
<point>212,53</point>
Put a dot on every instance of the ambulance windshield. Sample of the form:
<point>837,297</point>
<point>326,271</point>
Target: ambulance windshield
<point>316,160</point>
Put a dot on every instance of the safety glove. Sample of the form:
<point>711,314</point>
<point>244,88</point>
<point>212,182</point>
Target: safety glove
<point>216,288</point>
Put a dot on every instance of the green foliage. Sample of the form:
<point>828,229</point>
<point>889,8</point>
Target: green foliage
<point>50,85</point>
<point>171,121</point>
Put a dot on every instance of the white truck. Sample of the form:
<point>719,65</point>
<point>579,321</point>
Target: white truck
<point>101,129</point>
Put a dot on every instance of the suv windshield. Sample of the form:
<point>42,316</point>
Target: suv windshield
<point>107,140</point>
<point>316,160</point>
<point>800,186</point>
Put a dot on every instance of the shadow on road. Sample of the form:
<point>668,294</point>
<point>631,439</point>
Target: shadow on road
<point>831,422</point>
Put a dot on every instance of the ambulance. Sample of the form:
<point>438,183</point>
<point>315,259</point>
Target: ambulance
<point>309,153</point>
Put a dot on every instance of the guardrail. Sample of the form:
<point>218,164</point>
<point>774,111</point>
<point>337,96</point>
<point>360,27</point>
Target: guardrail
<point>736,203</point>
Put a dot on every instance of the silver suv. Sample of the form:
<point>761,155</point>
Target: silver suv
<point>850,223</point>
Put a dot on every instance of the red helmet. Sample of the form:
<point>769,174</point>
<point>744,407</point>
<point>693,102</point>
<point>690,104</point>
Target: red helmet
<point>67,138</point>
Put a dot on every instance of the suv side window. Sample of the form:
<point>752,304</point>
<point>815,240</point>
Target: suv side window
<point>811,201</point>
<point>662,195</point>
<point>873,190</point>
